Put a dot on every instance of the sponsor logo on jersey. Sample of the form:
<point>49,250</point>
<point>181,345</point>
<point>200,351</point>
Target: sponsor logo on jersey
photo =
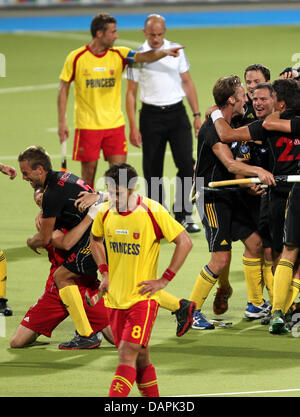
<point>100,69</point>
<point>64,179</point>
<point>244,149</point>
<point>122,232</point>
<point>125,248</point>
<point>86,73</point>
<point>100,82</point>
<point>136,235</point>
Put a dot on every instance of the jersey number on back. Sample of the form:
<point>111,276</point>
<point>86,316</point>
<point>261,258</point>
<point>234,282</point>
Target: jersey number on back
<point>285,155</point>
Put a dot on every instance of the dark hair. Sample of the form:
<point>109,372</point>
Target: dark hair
<point>224,88</point>
<point>258,67</point>
<point>36,155</point>
<point>288,90</point>
<point>100,22</point>
<point>260,86</point>
<point>121,175</point>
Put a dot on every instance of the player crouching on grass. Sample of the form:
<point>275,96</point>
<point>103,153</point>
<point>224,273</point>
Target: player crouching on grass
<point>49,311</point>
<point>132,227</point>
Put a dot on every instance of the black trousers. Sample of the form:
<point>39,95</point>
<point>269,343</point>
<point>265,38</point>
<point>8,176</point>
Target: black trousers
<point>159,125</point>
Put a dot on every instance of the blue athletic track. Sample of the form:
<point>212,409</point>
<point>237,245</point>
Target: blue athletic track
<point>175,20</point>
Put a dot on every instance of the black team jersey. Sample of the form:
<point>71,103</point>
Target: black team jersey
<point>61,191</point>
<point>283,148</point>
<point>208,164</point>
<point>252,153</point>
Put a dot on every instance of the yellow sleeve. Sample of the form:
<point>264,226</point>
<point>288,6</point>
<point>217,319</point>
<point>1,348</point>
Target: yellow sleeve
<point>170,227</point>
<point>97,226</point>
<point>67,73</point>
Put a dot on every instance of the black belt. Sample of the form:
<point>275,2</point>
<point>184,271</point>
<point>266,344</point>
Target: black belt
<point>170,107</point>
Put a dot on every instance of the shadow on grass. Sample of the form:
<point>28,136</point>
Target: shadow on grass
<point>17,254</point>
<point>38,359</point>
<point>245,348</point>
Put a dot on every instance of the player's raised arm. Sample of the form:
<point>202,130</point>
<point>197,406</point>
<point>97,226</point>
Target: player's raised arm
<point>8,170</point>
<point>225,131</point>
<point>156,54</point>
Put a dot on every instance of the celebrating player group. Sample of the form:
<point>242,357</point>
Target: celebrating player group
<point>252,130</point>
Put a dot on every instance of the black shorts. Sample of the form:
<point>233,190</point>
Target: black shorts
<point>80,259</point>
<point>291,236</point>
<point>245,215</point>
<point>277,208</point>
<point>264,221</point>
<point>224,220</point>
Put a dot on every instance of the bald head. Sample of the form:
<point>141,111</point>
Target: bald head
<point>154,30</point>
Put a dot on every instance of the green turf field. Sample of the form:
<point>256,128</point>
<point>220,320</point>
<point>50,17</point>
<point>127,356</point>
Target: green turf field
<point>241,360</point>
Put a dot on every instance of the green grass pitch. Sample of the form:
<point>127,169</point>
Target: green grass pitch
<point>243,358</point>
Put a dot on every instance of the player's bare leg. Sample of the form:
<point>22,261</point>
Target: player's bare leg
<point>23,337</point>
<point>88,172</point>
<point>116,159</point>
<point>107,333</point>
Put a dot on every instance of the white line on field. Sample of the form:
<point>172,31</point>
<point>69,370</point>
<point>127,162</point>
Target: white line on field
<point>24,88</point>
<point>249,328</point>
<point>64,35</point>
<point>15,157</point>
<point>72,36</point>
<point>221,394</point>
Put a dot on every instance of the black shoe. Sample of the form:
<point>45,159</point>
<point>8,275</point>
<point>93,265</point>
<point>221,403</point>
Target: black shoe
<point>190,227</point>
<point>81,342</point>
<point>5,310</point>
<point>184,316</point>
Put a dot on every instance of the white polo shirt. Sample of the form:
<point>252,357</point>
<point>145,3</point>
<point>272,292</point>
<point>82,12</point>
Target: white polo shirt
<point>160,81</point>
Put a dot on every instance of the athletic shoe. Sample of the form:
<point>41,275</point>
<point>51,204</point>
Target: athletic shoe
<point>5,310</point>
<point>277,323</point>
<point>220,305</point>
<point>190,227</point>
<point>81,342</point>
<point>184,316</point>
<point>257,312</point>
<point>200,322</point>
<point>265,320</point>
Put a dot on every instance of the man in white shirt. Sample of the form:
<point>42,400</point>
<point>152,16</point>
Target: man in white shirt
<point>163,118</point>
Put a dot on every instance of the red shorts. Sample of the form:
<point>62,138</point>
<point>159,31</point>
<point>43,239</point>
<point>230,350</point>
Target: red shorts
<point>135,324</point>
<point>88,143</point>
<point>49,311</point>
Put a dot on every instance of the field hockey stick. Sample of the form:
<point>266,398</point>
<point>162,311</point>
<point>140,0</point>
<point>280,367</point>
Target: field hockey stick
<point>193,197</point>
<point>254,180</point>
<point>64,155</point>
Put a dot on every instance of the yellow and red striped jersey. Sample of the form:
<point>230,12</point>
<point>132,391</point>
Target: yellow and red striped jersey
<point>97,86</point>
<point>133,241</point>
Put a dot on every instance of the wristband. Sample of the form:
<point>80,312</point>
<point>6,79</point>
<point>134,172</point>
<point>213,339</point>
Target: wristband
<point>168,274</point>
<point>197,114</point>
<point>216,114</point>
<point>103,268</point>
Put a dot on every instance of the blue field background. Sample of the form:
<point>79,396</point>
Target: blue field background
<point>174,20</point>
